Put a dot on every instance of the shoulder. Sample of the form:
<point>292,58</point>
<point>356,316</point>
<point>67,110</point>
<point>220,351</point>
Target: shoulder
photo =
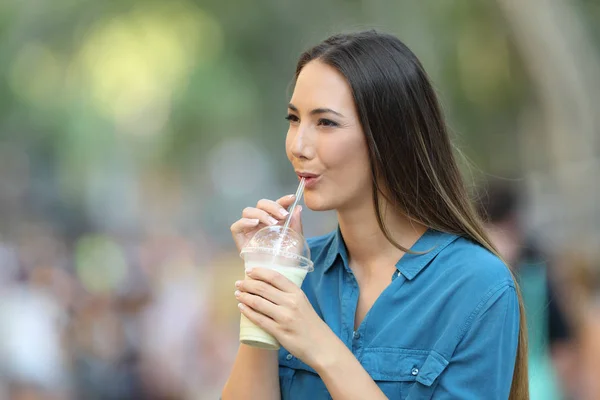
<point>469,264</point>
<point>470,279</point>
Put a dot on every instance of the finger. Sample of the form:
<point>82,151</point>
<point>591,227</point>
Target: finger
<point>286,200</point>
<point>244,224</point>
<point>262,289</point>
<point>263,216</point>
<point>273,208</point>
<point>258,304</point>
<point>262,321</point>
<point>296,222</point>
<point>273,278</point>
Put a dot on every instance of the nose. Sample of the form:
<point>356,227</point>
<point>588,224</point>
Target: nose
<point>302,143</point>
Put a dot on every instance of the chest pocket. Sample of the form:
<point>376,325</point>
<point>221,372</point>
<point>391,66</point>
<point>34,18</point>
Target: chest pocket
<point>298,381</point>
<point>404,374</point>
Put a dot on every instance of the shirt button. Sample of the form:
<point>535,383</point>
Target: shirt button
<point>289,357</point>
<point>356,335</point>
<point>415,371</point>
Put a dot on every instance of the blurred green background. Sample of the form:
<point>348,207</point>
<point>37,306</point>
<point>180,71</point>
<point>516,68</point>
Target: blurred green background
<point>132,133</point>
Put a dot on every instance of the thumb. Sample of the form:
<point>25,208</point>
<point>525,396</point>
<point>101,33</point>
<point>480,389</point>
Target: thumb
<point>296,222</point>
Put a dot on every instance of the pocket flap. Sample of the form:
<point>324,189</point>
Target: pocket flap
<point>433,366</point>
<point>403,365</point>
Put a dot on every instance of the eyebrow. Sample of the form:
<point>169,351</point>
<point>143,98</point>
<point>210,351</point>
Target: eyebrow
<point>316,110</point>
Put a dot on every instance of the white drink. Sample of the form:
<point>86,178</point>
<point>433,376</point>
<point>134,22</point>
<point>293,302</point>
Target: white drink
<point>280,249</point>
<point>251,334</point>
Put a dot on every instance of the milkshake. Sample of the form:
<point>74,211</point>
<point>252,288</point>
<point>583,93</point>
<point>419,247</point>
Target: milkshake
<point>280,249</point>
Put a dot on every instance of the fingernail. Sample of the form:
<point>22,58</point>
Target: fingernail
<point>248,271</point>
<point>283,212</point>
<point>237,293</point>
<point>240,306</point>
<point>254,221</point>
<point>299,209</point>
<point>272,220</point>
<point>238,284</point>
<point>291,196</point>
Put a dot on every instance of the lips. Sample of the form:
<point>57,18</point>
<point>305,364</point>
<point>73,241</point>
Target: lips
<point>306,175</point>
<point>310,178</point>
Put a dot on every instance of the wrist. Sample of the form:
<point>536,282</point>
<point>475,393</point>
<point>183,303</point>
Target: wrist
<point>329,354</point>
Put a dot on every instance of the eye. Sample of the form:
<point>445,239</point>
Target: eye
<point>292,118</point>
<point>328,123</point>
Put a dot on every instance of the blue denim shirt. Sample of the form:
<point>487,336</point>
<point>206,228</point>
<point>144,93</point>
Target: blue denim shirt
<point>446,327</point>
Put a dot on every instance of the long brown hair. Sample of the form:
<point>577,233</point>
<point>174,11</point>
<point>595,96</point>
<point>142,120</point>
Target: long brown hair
<point>412,162</point>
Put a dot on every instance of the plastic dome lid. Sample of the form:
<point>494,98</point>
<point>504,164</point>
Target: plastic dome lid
<point>275,241</point>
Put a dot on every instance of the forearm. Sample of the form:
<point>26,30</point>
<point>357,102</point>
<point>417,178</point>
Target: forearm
<point>344,376</point>
<point>255,375</point>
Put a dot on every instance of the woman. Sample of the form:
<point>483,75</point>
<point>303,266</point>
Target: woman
<point>409,299</point>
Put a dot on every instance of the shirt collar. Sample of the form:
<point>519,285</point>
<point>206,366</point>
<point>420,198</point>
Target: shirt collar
<point>430,244</point>
<point>337,247</point>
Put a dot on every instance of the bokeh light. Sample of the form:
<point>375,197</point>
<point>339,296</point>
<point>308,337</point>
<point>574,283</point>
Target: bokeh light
<point>100,264</point>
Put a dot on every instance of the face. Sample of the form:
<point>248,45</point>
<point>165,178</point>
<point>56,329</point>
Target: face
<point>325,142</point>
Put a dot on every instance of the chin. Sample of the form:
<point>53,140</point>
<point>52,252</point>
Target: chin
<point>316,202</point>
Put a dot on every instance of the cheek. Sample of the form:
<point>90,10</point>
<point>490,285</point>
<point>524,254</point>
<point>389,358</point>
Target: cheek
<point>288,143</point>
<point>348,169</point>
<point>348,159</point>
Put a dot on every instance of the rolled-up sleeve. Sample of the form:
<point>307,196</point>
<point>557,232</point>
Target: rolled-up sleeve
<point>483,363</point>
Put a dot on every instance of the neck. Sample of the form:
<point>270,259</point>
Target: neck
<point>366,244</point>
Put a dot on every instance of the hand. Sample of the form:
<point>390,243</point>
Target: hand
<point>277,305</point>
<point>266,213</point>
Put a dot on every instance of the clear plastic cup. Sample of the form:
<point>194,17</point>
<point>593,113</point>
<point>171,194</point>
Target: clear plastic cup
<point>283,250</point>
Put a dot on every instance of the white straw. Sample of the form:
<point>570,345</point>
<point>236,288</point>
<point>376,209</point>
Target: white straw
<point>299,193</point>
